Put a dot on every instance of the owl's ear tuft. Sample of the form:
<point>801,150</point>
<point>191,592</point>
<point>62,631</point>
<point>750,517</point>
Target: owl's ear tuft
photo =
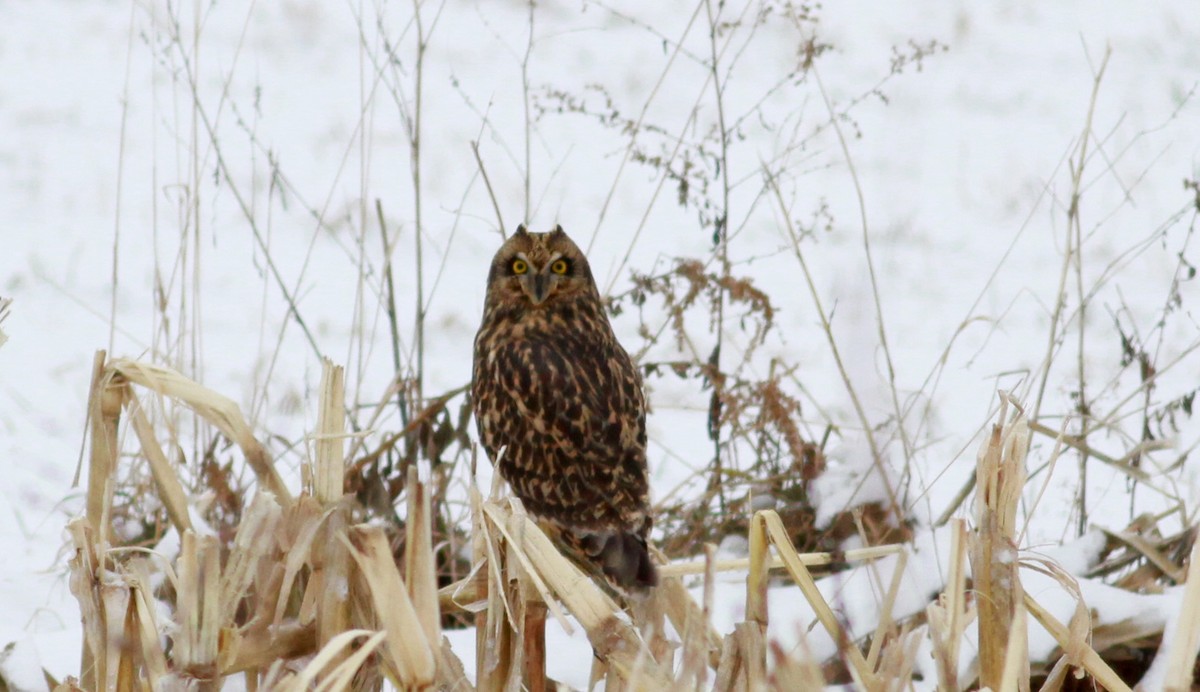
<point>521,230</point>
<point>558,230</point>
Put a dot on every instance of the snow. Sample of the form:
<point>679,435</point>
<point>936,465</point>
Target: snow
<point>964,174</point>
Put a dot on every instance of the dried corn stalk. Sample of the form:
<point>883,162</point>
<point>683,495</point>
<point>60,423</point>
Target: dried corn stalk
<point>948,616</point>
<point>766,529</point>
<point>1000,472</point>
<point>1185,640</point>
<point>295,580</point>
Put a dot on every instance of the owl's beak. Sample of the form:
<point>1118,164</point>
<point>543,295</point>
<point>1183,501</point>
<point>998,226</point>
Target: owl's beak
<point>537,287</point>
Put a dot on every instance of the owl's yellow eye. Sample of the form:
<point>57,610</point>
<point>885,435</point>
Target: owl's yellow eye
<point>520,266</point>
<point>559,266</point>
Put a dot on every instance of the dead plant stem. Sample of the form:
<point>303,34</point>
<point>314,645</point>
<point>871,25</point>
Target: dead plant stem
<point>827,328</point>
<point>415,145</point>
<point>528,118</point>
<point>488,183</point>
<point>1060,303</point>
<point>194,199</point>
<point>390,308</point>
<point>721,236</point>
<point>880,325</point>
<point>1076,228</point>
<point>120,175</point>
<point>358,342</point>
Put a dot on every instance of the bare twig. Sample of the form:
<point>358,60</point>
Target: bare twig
<point>721,237</point>
<point>415,147</point>
<point>1076,229</point>
<point>827,329</point>
<point>120,175</point>
<point>880,325</point>
<point>488,182</point>
<point>528,117</point>
<point>390,308</point>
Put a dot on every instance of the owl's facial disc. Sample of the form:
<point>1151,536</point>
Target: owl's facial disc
<point>539,281</point>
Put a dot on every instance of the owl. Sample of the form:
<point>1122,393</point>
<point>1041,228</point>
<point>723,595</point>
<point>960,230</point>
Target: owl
<point>560,408</point>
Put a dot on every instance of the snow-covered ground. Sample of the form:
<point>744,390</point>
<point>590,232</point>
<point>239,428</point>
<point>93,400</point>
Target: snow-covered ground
<point>963,160</point>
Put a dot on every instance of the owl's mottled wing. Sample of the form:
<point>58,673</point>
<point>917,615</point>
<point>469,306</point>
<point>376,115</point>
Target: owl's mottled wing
<point>573,430</point>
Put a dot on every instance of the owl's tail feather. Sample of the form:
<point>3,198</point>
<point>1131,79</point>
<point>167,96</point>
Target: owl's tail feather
<point>623,558</point>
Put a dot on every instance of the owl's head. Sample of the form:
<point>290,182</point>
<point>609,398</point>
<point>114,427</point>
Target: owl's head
<point>531,270</point>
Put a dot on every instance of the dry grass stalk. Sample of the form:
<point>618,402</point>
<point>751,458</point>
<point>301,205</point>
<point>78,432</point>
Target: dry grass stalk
<point>1057,677</point>
<point>104,413</point>
<point>1185,640</point>
<point>329,581</point>
<point>885,612</point>
<point>766,526</point>
<point>756,579</point>
<point>198,610</point>
<point>335,665</point>
<point>948,615</point>
<point>493,627</point>
<point>260,648</point>
<point>407,654</point>
<point>1152,554</point>
<point>513,525</point>
<point>468,592</point>
<point>729,667</point>
<point>253,546</point>
<point>1079,630</point>
<point>612,638</point>
<point>526,597</point>
<point>331,570</point>
<point>750,659</point>
<point>701,643</point>
<point>533,643</point>
<point>680,569</point>
<point>1015,673</point>
<point>1079,444</point>
<point>994,559</point>
<point>218,410</point>
<point>170,490</point>
<point>328,469</point>
<point>1088,658</point>
<point>104,661</point>
<point>556,579</point>
<point>148,639</point>
<point>419,564</point>
<point>452,676</point>
<point>87,586</point>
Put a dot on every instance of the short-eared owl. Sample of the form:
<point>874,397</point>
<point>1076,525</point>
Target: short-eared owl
<point>555,391</point>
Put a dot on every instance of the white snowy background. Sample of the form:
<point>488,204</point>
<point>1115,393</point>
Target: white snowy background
<point>116,193</point>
